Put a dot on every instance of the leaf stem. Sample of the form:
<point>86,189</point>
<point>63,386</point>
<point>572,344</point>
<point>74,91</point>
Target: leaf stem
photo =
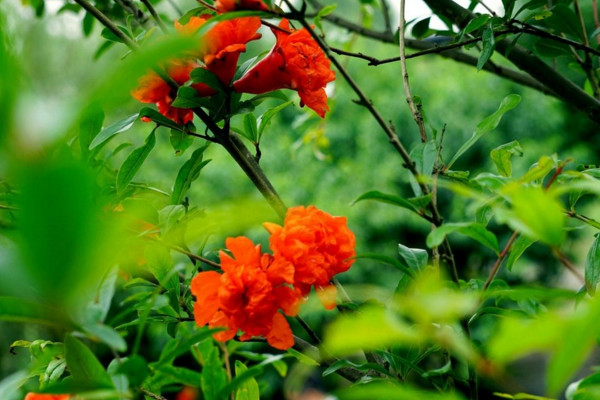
<point>155,16</point>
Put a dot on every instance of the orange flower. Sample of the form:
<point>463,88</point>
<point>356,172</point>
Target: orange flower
<point>153,89</point>
<point>317,244</point>
<point>36,396</point>
<point>188,393</point>
<point>296,62</point>
<point>232,5</point>
<point>248,295</point>
<point>220,48</point>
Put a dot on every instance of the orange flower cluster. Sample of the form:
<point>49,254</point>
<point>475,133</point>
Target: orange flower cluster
<point>219,51</point>
<point>36,396</point>
<point>232,5</point>
<point>295,62</point>
<point>310,248</point>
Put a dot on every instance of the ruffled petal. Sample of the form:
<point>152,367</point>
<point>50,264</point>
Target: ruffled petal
<point>280,336</point>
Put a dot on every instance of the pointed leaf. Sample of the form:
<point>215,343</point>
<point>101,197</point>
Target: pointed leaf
<point>107,133</point>
<point>188,173</point>
<point>387,198</point>
<point>501,157</point>
<point>84,366</point>
<point>592,267</point>
<point>134,162</point>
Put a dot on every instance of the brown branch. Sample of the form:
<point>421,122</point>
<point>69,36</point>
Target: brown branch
<point>148,393</point>
<point>566,90</point>
<point>416,112</point>
<point>155,16</point>
<point>103,19</point>
<point>560,256</point>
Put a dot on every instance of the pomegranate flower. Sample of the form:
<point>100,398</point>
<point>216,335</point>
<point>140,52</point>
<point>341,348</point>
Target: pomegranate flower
<point>248,295</point>
<point>295,62</point>
<point>317,244</point>
<point>36,396</point>
<point>232,5</point>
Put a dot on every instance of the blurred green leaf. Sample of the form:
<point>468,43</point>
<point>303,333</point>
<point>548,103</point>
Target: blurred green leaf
<point>387,260</point>
<point>474,230</point>
<point>180,141</point>
<point>414,258</point>
<point>203,75</point>
<point>489,123</point>
<point>538,170</point>
<point>248,390</point>
<point>592,267</point>
<point>107,133</point>
<point>135,368</point>
<point>424,156</point>
<point>421,28</point>
<point>501,157</point>
<point>323,12</point>
<point>161,265</point>
<point>214,377</point>
<point>107,335</point>
<point>475,24</point>
<point>364,367</point>
<point>134,162</point>
<point>188,97</point>
<point>250,130</point>
<point>84,366</point>
<point>89,127</point>
<point>392,391</point>
<point>183,375</point>
<point>387,198</point>
<point>265,119</point>
<point>188,173</point>
<point>518,248</point>
<point>15,309</point>
<point>250,373</point>
<point>489,43</point>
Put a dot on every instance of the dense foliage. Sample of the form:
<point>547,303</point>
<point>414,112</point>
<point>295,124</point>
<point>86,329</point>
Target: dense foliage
<point>443,239</point>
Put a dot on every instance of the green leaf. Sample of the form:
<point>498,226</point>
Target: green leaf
<point>574,347</point>
<point>109,132</point>
<point>183,344</point>
<point>387,198</point>
<point>135,368</point>
<point>518,248</point>
<point>250,130</point>
<point>106,335</point>
<point>475,24</point>
<point>251,372</point>
<point>489,123</point>
<point>159,118</point>
<point>323,12</point>
<point>501,157</point>
<point>564,19</point>
<point>182,375</point>
<point>84,366</point>
<point>209,78</point>
<point>161,266</point>
<point>15,309</point>
<point>489,43</point>
<point>387,260</point>
<point>214,377</point>
<point>474,230</point>
<point>424,156</point>
<point>265,119</point>
<point>134,162</point>
<point>87,24</point>
<point>414,258</point>
<point>539,170</point>
<point>521,396</point>
<point>180,141</point>
<point>304,359</point>
<point>188,173</point>
<point>89,127</point>
<point>421,28</point>
<point>188,97</point>
<point>392,391</point>
<point>247,390</point>
<point>368,329</point>
<point>537,214</point>
<point>364,367</point>
<point>592,267</point>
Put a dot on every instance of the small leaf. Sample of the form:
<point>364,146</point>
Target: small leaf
<point>135,368</point>
<point>158,118</point>
<point>84,366</point>
<point>414,258</point>
<point>387,260</point>
<point>424,156</point>
<point>501,157</point>
<point>134,162</point>
<point>180,141</point>
<point>365,367</point>
<point>518,248</point>
<point>265,119</point>
<point>387,198</point>
<point>188,173</point>
<point>161,266</point>
<point>107,335</point>
<point>488,46</point>
<point>247,390</point>
<point>539,170</point>
<point>473,230</point>
<point>421,28</point>
<point>209,78</point>
<point>214,377</point>
<point>323,12</point>
<point>250,130</point>
<point>188,97</point>
<point>183,375</point>
<point>489,123</point>
<point>304,359</point>
<point>476,23</point>
<point>118,127</point>
<point>592,267</point>
<point>89,127</point>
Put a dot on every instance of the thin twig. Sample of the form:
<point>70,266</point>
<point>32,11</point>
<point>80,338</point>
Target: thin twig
<point>499,260</point>
<point>385,10</point>
<point>562,257</point>
<point>583,218</point>
<point>185,252</point>
<point>227,365</point>
<point>152,395</point>
<point>4,207</point>
<point>155,16</point>
<point>313,336</point>
<point>103,19</point>
<point>416,112</point>
<point>596,19</point>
